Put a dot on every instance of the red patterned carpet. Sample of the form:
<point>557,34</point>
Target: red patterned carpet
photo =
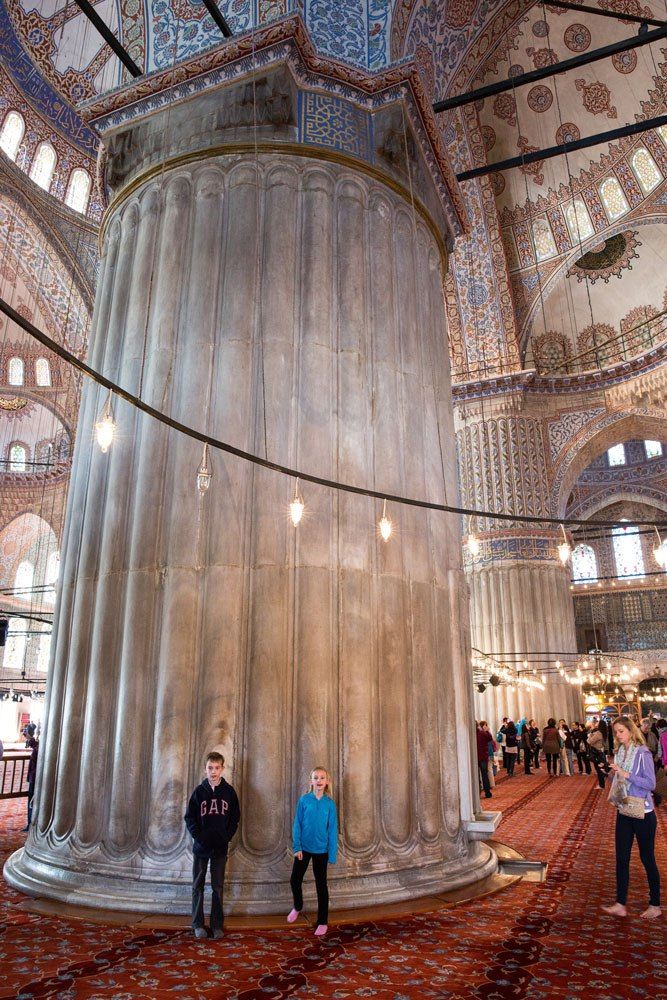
<point>532,941</point>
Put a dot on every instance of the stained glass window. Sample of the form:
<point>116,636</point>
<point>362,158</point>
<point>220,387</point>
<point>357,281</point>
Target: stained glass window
<point>43,165</point>
<point>613,198</point>
<point>628,551</point>
<point>11,134</point>
<point>584,564</point>
<point>616,455</point>
<point>23,580</point>
<point>578,221</point>
<point>645,170</point>
<point>545,245</point>
<point>653,449</point>
<point>15,371</point>
<point>17,458</point>
<point>42,372</point>
<point>78,190</point>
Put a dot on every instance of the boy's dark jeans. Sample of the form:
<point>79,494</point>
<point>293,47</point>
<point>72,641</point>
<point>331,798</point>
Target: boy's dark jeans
<point>199,866</point>
<point>320,872</point>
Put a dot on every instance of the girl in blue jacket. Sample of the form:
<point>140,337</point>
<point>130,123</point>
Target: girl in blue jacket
<point>314,835</point>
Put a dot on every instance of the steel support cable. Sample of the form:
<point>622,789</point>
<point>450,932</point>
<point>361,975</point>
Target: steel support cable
<point>307,477</point>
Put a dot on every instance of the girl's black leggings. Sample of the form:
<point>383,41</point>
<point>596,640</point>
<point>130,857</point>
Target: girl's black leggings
<point>552,762</point>
<point>320,873</point>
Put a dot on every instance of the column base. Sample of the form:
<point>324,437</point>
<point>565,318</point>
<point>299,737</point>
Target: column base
<point>150,894</point>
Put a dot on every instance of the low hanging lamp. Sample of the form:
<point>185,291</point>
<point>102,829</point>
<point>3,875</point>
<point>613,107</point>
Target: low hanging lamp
<point>105,428</point>
<point>564,549</point>
<point>385,525</point>
<point>297,506</point>
<point>204,474</point>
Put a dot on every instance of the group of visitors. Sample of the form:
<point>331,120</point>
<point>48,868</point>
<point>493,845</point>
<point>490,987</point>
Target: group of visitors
<point>635,758</point>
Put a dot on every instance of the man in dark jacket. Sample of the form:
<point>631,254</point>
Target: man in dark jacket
<point>484,741</point>
<point>212,817</point>
<point>32,744</point>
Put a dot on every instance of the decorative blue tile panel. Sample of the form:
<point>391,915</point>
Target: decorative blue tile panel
<point>325,120</point>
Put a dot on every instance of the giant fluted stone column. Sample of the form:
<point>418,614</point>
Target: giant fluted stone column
<point>289,301</point>
<point>520,601</point>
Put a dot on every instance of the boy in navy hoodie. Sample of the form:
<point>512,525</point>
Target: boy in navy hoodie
<point>212,818</point>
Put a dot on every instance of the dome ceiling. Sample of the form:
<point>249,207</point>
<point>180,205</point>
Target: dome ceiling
<point>602,95</point>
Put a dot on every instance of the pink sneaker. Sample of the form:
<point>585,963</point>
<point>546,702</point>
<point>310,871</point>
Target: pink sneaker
<point>292,915</point>
<point>321,930</point>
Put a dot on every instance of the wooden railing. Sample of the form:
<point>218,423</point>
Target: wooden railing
<point>14,774</point>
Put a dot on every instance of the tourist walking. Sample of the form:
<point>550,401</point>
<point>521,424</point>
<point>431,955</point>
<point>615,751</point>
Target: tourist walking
<point>314,837</point>
<point>631,792</point>
<point>536,741</point>
<point>484,746</point>
<point>580,748</point>
<point>511,747</point>
<point>567,749</point>
<point>596,748</point>
<point>551,747</point>
<point>528,748</point>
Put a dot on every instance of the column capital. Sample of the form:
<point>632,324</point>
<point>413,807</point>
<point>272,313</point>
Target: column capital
<point>272,86</point>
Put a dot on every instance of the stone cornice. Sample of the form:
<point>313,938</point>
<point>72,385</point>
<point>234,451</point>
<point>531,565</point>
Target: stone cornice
<point>618,376</point>
<point>287,42</point>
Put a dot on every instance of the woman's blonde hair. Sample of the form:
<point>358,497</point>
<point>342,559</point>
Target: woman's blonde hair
<point>636,735</point>
<point>328,788</point>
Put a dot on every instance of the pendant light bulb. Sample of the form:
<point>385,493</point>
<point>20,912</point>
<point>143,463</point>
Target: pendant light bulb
<point>105,427</point>
<point>385,525</point>
<point>297,506</point>
<point>204,474</point>
<point>564,549</point>
<point>473,545</point>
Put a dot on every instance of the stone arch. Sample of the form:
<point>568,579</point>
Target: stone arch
<point>596,437</point>
<point>27,536</point>
<point>651,498</point>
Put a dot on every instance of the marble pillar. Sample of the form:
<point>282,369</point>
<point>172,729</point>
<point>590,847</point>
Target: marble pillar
<point>291,304</point>
<point>520,601</point>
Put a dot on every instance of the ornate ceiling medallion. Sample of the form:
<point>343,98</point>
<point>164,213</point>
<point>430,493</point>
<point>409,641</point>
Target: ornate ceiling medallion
<point>606,259</point>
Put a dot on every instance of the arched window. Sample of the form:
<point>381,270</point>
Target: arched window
<point>51,577</point>
<point>613,199</point>
<point>15,371</point>
<point>645,169</point>
<point>545,245</point>
<point>44,452</point>
<point>11,134</point>
<point>42,372</point>
<point>584,564</point>
<point>578,221</point>
<point>628,551</point>
<point>44,652</point>
<point>16,643</point>
<point>616,455</point>
<point>78,190</point>
<point>17,458</point>
<point>23,580</point>
<point>43,165</point>
<point>653,449</point>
